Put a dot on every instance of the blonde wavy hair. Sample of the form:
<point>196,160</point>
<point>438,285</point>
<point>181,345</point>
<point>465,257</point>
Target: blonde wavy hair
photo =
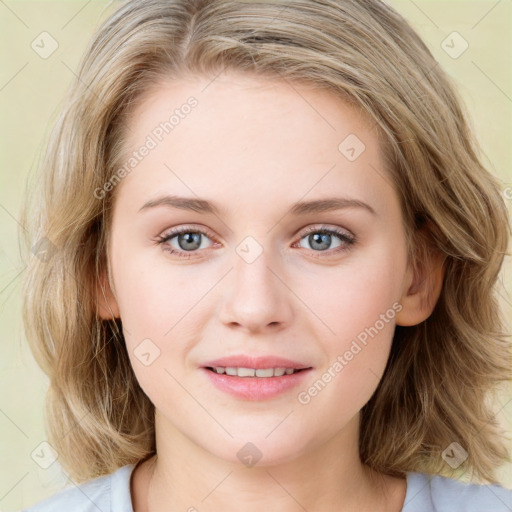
<point>441,373</point>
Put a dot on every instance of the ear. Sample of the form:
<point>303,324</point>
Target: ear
<point>107,307</point>
<point>422,285</point>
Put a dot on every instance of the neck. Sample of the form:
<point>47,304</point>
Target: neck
<point>329,476</point>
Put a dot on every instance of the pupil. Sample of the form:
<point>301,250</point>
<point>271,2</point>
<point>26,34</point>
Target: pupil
<point>321,236</point>
<point>190,238</point>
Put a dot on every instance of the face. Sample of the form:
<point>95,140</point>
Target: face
<point>255,275</point>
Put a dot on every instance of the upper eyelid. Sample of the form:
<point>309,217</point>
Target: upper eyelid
<point>186,228</point>
<point>348,240</point>
<point>172,232</point>
<point>326,228</point>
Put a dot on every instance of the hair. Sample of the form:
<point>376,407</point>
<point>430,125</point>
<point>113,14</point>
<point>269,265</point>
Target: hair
<point>441,374</point>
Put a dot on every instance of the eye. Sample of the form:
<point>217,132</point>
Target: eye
<point>189,240</point>
<point>321,238</point>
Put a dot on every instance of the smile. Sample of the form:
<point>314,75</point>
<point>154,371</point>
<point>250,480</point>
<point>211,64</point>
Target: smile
<point>254,372</point>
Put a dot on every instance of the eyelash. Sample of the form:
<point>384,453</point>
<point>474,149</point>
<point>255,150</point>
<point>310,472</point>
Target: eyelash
<point>348,240</point>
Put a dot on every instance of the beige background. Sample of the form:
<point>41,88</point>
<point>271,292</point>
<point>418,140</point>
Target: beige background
<point>31,89</point>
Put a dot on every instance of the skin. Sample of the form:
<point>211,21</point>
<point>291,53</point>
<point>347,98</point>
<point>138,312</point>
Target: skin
<point>255,146</point>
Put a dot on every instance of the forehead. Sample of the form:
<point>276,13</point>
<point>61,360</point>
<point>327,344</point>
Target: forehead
<point>245,100</point>
<point>249,135</point>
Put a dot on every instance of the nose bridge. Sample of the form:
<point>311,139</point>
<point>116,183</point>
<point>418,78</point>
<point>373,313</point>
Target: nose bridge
<point>251,265</point>
<point>256,296</point>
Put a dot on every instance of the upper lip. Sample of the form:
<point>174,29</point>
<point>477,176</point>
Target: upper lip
<point>245,361</point>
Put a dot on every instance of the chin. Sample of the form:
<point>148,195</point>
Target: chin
<point>258,450</point>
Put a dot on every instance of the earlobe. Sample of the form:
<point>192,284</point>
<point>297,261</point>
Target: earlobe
<point>422,288</point>
<point>107,307</point>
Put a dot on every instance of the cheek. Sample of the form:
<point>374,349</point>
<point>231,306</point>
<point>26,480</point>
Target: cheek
<point>359,306</point>
<point>354,295</point>
<point>152,296</point>
<point>159,309</point>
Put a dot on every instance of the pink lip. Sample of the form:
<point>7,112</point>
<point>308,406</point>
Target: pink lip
<point>243,361</point>
<point>255,388</point>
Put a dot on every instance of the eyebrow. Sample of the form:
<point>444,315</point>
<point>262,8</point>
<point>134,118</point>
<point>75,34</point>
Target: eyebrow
<point>299,208</point>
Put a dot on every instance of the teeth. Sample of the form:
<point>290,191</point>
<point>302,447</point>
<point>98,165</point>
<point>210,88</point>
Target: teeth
<point>252,372</point>
<point>245,372</point>
<point>264,372</point>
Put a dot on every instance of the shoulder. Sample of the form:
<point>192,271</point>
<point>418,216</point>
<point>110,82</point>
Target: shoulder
<point>428,493</point>
<point>102,494</point>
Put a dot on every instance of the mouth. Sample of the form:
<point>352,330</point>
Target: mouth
<point>256,384</point>
<point>257,373</point>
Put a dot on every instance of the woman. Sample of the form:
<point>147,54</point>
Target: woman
<point>203,350</point>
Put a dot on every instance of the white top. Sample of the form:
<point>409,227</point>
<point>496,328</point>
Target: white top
<point>111,493</point>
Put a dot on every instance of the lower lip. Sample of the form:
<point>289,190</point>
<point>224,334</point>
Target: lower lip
<point>255,388</point>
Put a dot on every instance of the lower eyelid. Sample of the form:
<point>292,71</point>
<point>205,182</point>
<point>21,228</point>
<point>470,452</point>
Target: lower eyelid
<point>341,235</point>
<point>347,241</point>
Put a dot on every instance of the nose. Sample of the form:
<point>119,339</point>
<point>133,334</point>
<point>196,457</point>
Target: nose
<point>255,296</point>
